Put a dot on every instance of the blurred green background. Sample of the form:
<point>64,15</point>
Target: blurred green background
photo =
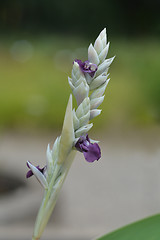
<point>39,41</point>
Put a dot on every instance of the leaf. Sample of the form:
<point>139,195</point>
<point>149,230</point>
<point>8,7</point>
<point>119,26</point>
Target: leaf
<point>146,229</point>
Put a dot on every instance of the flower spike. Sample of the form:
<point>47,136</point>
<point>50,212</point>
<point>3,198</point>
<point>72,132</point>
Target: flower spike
<point>88,82</point>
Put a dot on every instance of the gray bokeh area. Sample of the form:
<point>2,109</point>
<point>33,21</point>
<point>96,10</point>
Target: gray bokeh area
<point>122,187</point>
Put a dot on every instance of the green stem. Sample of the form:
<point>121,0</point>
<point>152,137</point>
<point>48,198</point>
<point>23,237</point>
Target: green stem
<point>46,197</point>
<point>51,195</point>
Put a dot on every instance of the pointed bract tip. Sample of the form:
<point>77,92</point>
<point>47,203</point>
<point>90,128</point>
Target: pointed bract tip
<point>103,32</point>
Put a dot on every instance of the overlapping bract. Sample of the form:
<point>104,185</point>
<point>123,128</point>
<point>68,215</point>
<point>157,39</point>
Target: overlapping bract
<point>78,84</point>
<point>82,83</point>
<point>76,122</point>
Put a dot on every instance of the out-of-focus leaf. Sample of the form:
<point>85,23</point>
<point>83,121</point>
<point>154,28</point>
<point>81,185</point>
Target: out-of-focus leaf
<point>146,229</point>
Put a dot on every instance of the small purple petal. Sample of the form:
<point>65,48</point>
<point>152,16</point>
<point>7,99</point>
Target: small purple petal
<point>87,67</point>
<point>87,138</point>
<point>94,153</point>
<point>30,173</point>
<point>90,151</point>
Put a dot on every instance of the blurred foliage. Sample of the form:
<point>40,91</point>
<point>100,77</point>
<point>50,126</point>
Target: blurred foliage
<point>127,18</point>
<point>34,88</point>
<point>147,229</point>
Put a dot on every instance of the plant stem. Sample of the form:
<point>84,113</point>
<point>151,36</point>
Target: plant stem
<point>51,195</point>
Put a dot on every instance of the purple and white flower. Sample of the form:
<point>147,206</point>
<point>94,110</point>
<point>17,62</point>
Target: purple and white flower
<point>30,173</point>
<point>87,67</point>
<point>91,151</point>
<point>38,172</point>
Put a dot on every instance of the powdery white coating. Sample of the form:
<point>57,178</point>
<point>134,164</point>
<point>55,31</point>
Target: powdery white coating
<point>75,120</point>
<point>104,53</point>
<point>99,91</point>
<point>49,162</point>
<point>83,130</point>
<point>92,55</point>
<point>97,83</point>
<point>94,113</point>
<point>81,92</point>
<point>83,108</point>
<point>40,176</point>
<point>67,135</point>
<point>78,84</point>
<point>95,102</point>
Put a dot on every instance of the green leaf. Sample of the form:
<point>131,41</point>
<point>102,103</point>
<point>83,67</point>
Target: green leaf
<point>146,229</point>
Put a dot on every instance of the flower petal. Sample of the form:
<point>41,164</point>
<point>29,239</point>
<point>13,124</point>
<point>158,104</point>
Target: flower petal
<point>94,153</point>
<point>91,151</point>
<point>87,67</point>
<point>38,174</point>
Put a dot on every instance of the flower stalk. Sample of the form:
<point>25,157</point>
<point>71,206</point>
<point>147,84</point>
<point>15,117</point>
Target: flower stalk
<point>88,83</point>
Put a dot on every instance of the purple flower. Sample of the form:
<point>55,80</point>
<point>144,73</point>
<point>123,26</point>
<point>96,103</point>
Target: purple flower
<point>87,67</point>
<point>91,151</point>
<point>30,173</point>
